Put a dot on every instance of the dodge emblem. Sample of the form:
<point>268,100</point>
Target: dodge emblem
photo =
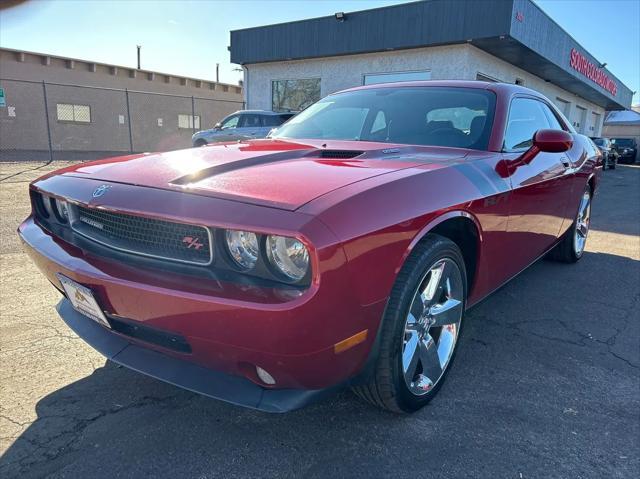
<point>100,190</point>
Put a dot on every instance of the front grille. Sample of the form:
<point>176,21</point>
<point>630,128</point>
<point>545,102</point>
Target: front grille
<point>144,236</point>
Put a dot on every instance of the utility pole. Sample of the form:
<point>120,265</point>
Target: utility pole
<point>138,47</point>
<point>217,73</point>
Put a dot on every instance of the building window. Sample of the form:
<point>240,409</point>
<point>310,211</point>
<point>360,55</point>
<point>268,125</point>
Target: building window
<point>392,77</point>
<point>483,77</point>
<point>73,113</point>
<point>187,122</point>
<point>294,95</point>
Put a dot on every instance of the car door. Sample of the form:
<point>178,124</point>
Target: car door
<point>250,126</point>
<point>227,130</point>
<point>541,189</point>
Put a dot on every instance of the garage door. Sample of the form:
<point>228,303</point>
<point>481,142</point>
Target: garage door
<point>579,119</point>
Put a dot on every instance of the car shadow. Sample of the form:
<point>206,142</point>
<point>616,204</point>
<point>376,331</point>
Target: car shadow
<point>555,332</point>
<point>610,210</point>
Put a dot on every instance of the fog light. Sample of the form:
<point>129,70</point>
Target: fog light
<point>264,376</point>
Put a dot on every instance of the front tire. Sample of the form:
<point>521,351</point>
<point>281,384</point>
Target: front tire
<point>420,328</point>
<point>571,247</point>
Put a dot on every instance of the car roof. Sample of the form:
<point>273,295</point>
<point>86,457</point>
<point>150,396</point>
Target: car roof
<point>498,87</point>
<point>265,112</point>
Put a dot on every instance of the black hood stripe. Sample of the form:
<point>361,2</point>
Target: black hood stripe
<point>239,164</point>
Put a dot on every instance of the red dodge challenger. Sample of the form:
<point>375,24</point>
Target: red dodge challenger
<point>342,251</point>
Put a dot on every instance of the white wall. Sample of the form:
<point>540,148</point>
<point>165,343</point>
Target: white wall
<point>460,62</point>
<point>338,73</point>
<point>481,62</point>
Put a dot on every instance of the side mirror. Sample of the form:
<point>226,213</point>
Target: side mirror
<point>552,141</point>
<point>217,126</point>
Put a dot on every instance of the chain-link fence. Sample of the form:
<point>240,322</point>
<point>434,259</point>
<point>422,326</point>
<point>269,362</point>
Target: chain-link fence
<point>53,121</point>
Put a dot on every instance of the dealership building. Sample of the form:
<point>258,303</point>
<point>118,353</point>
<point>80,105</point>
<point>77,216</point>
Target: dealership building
<point>290,65</point>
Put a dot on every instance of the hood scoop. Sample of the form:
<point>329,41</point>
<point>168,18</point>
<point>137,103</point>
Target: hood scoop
<point>339,154</point>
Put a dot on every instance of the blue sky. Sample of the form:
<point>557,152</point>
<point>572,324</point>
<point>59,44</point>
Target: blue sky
<point>190,37</point>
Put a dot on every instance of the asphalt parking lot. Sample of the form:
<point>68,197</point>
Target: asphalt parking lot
<point>546,384</point>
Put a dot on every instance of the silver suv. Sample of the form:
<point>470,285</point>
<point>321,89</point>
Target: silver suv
<point>241,125</point>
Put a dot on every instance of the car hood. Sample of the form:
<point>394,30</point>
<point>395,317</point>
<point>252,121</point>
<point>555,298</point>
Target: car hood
<point>279,174</point>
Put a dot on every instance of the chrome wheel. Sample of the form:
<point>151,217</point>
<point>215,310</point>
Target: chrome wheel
<point>582,223</point>
<point>432,326</point>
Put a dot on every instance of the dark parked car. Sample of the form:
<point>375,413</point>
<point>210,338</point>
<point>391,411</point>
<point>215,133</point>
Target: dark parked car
<point>342,251</point>
<point>609,155</point>
<point>627,148</point>
<point>241,125</point>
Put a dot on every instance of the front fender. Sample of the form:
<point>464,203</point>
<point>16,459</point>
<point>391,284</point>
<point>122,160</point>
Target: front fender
<point>451,214</point>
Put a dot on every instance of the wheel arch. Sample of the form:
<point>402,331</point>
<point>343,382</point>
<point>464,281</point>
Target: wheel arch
<point>464,230</point>
<point>447,224</point>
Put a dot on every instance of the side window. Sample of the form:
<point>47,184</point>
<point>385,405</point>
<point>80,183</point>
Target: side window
<point>526,116</point>
<point>250,121</point>
<point>231,122</point>
<point>553,119</point>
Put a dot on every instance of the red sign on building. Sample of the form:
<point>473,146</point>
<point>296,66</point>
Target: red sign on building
<point>581,64</point>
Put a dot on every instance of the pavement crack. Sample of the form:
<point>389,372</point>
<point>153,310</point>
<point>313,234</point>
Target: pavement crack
<point>43,448</point>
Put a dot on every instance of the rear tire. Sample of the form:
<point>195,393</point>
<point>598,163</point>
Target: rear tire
<point>421,324</point>
<point>571,247</point>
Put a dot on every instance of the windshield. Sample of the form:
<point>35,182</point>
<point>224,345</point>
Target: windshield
<point>439,116</point>
<point>624,142</point>
<point>600,141</point>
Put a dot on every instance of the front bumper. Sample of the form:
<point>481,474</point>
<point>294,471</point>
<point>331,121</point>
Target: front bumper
<point>627,157</point>
<point>233,389</point>
<point>230,328</point>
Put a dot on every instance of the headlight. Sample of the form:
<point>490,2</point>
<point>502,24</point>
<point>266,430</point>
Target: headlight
<point>243,248</point>
<point>289,256</point>
<point>46,204</point>
<point>62,210</point>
